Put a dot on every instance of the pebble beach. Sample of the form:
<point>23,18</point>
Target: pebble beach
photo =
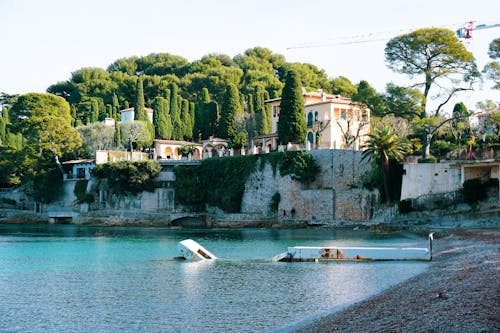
<point>460,292</point>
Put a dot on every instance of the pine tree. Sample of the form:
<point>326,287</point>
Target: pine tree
<point>140,111</point>
<point>175,114</point>
<point>292,123</point>
<point>230,109</point>
<point>117,138</point>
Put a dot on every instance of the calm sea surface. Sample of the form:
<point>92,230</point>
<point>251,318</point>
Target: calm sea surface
<point>66,278</point>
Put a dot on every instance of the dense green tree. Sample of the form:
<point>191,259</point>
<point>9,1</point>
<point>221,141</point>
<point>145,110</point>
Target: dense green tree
<point>367,95</point>
<point>135,133</point>
<point>383,147</point>
<point>343,86</point>
<point>292,123</point>
<point>260,66</point>
<point>310,76</point>
<point>231,108</point>
<point>434,55</point>
<point>44,120</point>
<point>460,125</point>
<point>96,136</point>
<point>492,69</point>
<point>402,101</point>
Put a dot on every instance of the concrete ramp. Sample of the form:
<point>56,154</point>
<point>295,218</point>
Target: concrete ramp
<point>191,250</point>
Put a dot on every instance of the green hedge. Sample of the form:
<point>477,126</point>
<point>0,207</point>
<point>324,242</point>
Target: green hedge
<point>127,177</point>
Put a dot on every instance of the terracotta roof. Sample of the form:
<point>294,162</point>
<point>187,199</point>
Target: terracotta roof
<point>176,142</point>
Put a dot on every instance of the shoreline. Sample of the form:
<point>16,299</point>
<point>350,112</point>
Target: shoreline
<point>458,293</point>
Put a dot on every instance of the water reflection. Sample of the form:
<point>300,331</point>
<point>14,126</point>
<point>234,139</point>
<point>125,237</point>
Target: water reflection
<point>76,278</point>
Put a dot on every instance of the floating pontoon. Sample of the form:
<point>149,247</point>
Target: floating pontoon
<point>309,253</point>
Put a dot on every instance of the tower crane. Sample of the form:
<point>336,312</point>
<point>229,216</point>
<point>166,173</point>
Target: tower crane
<point>464,33</point>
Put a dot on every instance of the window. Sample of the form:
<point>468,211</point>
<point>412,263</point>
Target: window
<point>310,137</point>
<point>276,111</point>
<point>309,119</point>
<point>316,116</point>
<point>343,114</point>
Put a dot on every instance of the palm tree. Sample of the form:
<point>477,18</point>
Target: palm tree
<point>382,147</point>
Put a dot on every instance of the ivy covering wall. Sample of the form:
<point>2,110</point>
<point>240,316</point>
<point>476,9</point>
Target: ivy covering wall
<point>220,182</point>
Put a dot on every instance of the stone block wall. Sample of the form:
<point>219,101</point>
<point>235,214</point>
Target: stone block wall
<point>330,197</point>
<point>428,178</point>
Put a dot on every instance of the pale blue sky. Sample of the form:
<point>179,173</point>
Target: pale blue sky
<point>43,41</point>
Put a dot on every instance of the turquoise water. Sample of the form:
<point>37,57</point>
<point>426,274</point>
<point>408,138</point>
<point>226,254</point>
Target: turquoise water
<point>66,278</point>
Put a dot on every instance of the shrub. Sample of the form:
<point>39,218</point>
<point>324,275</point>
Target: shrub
<point>275,201</point>
<point>300,165</point>
<point>127,177</point>
<point>8,201</point>
<point>428,160</point>
<point>80,191</point>
<point>405,206</point>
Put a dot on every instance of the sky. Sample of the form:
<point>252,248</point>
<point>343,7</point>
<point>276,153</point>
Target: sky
<point>44,41</point>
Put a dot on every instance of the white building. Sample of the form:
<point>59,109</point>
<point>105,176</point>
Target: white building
<point>128,114</point>
<point>333,122</point>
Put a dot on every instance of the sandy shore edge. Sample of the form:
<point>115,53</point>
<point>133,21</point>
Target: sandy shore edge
<point>458,293</point>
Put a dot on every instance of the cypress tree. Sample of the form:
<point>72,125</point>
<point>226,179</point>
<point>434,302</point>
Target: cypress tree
<point>115,104</point>
<point>201,123</point>
<point>230,109</point>
<point>162,129</point>
<point>73,115</point>
<point>177,128</point>
<point>102,109</point>
<point>140,111</point>
<point>186,120</point>
<point>117,137</point>
<point>2,131</point>
<point>3,125</point>
<point>126,105</point>
<point>192,114</point>
<point>252,121</point>
<point>212,118</point>
<point>266,121</point>
<point>94,111</point>
<point>109,111</point>
<point>292,122</point>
